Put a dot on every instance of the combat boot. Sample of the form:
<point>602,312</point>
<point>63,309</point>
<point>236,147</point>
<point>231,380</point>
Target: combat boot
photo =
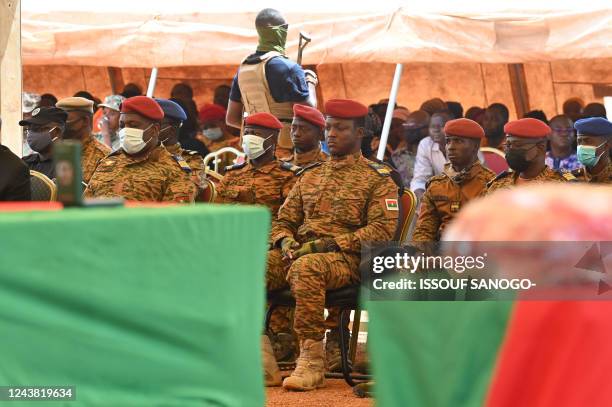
<point>332,350</point>
<point>309,373</point>
<point>272,375</point>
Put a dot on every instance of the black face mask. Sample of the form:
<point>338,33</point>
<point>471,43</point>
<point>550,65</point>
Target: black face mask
<point>517,160</point>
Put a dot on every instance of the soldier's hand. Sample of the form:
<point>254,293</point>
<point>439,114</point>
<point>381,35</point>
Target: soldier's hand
<point>288,245</point>
<point>315,246</point>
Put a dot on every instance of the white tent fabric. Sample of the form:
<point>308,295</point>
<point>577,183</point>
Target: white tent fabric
<point>183,33</point>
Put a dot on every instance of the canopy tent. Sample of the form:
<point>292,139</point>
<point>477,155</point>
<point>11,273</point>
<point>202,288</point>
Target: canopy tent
<point>453,50</point>
<point>194,33</point>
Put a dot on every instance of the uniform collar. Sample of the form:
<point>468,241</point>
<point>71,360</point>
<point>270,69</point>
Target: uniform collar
<point>266,168</point>
<point>307,157</point>
<point>174,149</point>
<point>341,162</point>
<point>463,176</point>
<point>152,155</point>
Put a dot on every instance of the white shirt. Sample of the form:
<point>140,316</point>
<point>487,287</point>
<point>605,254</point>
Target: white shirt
<point>429,162</point>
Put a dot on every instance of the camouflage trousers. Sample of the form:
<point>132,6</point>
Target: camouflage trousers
<point>309,277</point>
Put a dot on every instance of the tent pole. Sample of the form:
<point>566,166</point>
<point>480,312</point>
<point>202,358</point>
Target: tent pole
<point>518,84</point>
<point>152,82</point>
<point>387,125</point>
<point>10,75</point>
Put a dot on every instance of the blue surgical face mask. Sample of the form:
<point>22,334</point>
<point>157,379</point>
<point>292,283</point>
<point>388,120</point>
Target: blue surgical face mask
<point>213,134</point>
<point>587,155</point>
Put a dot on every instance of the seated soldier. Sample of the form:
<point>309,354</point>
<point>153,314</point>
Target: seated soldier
<point>191,162</point>
<point>594,144</point>
<point>216,134</point>
<point>462,180</point>
<point>262,180</point>
<point>317,236</point>
<point>526,154</point>
<point>307,132</point>
<point>142,169</point>
<point>44,126</point>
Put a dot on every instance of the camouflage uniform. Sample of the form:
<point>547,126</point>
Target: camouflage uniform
<point>351,200</point>
<point>195,164</point>
<point>154,177</point>
<point>304,159</point>
<point>445,196</point>
<point>92,151</point>
<point>267,185</point>
<point>508,179</point>
<point>604,177</point>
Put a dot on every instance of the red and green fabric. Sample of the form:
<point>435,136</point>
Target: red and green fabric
<point>496,354</point>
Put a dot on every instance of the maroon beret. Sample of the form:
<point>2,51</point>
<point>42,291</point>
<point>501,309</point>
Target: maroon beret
<point>264,119</point>
<point>144,106</point>
<point>310,114</point>
<point>527,128</point>
<point>463,128</point>
<point>211,112</point>
<point>345,109</point>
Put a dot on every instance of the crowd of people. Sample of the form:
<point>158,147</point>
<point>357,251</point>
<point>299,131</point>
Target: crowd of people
<point>317,173</point>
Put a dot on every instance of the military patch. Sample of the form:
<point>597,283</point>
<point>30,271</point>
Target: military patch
<point>285,165</point>
<point>454,206</point>
<point>309,166</point>
<point>35,111</point>
<point>381,169</point>
<point>568,176</point>
<point>106,165</point>
<point>392,204</point>
<point>182,163</point>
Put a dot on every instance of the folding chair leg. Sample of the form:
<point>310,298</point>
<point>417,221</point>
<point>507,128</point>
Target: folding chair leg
<point>354,335</point>
<point>346,369</point>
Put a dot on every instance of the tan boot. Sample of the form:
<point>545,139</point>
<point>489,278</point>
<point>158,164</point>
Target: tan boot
<point>309,373</point>
<point>272,375</point>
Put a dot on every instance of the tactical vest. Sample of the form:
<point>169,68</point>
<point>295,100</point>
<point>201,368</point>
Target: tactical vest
<point>256,96</point>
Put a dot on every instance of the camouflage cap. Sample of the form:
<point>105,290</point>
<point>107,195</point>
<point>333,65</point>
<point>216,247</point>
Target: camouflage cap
<point>113,102</point>
<point>29,101</point>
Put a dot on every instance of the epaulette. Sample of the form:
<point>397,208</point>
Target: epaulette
<point>501,175</point>
<point>285,165</point>
<point>380,168</point>
<point>191,152</point>
<point>439,177</point>
<point>182,163</point>
<point>236,166</point>
<point>307,167</point>
<point>568,176</point>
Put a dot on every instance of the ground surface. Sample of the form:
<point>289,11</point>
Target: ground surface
<point>336,393</point>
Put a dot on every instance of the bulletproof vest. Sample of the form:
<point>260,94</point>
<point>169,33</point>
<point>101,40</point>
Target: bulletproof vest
<point>256,96</point>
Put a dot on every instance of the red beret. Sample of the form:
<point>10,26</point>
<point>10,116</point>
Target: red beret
<point>144,106</point>
<point>463,128</point>
<point>264,119</point>
<point>527,128</point>
<point>345,109</point>
<point>310,114</point>
<point>211,113</point>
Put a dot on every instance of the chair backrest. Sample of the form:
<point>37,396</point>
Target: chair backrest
<point>209,194</point>
<point>495,160</point>
<point>216,159</point>
<point>41,187</point>
<point>407,208</point>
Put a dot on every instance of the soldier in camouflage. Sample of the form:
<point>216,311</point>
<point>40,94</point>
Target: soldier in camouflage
<point>526,154</point>
<point>142,169</point>
<point>79,127</point>
<point>191,162</point>
<point>463,179</point>
<point>594,144</point>
<point>317,237</point>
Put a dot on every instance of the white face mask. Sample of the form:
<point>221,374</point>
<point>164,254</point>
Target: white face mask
<point>131,139</point>
<point>253,146</point>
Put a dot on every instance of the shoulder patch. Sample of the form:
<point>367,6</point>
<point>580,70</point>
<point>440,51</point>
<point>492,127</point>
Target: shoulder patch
<point>435,178</point>
<point>182,163</point>
<point>285,165</point>
<point>381,169</point>
<point>307,167</point>
<point>499,176</point>
<point>236,166</point>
